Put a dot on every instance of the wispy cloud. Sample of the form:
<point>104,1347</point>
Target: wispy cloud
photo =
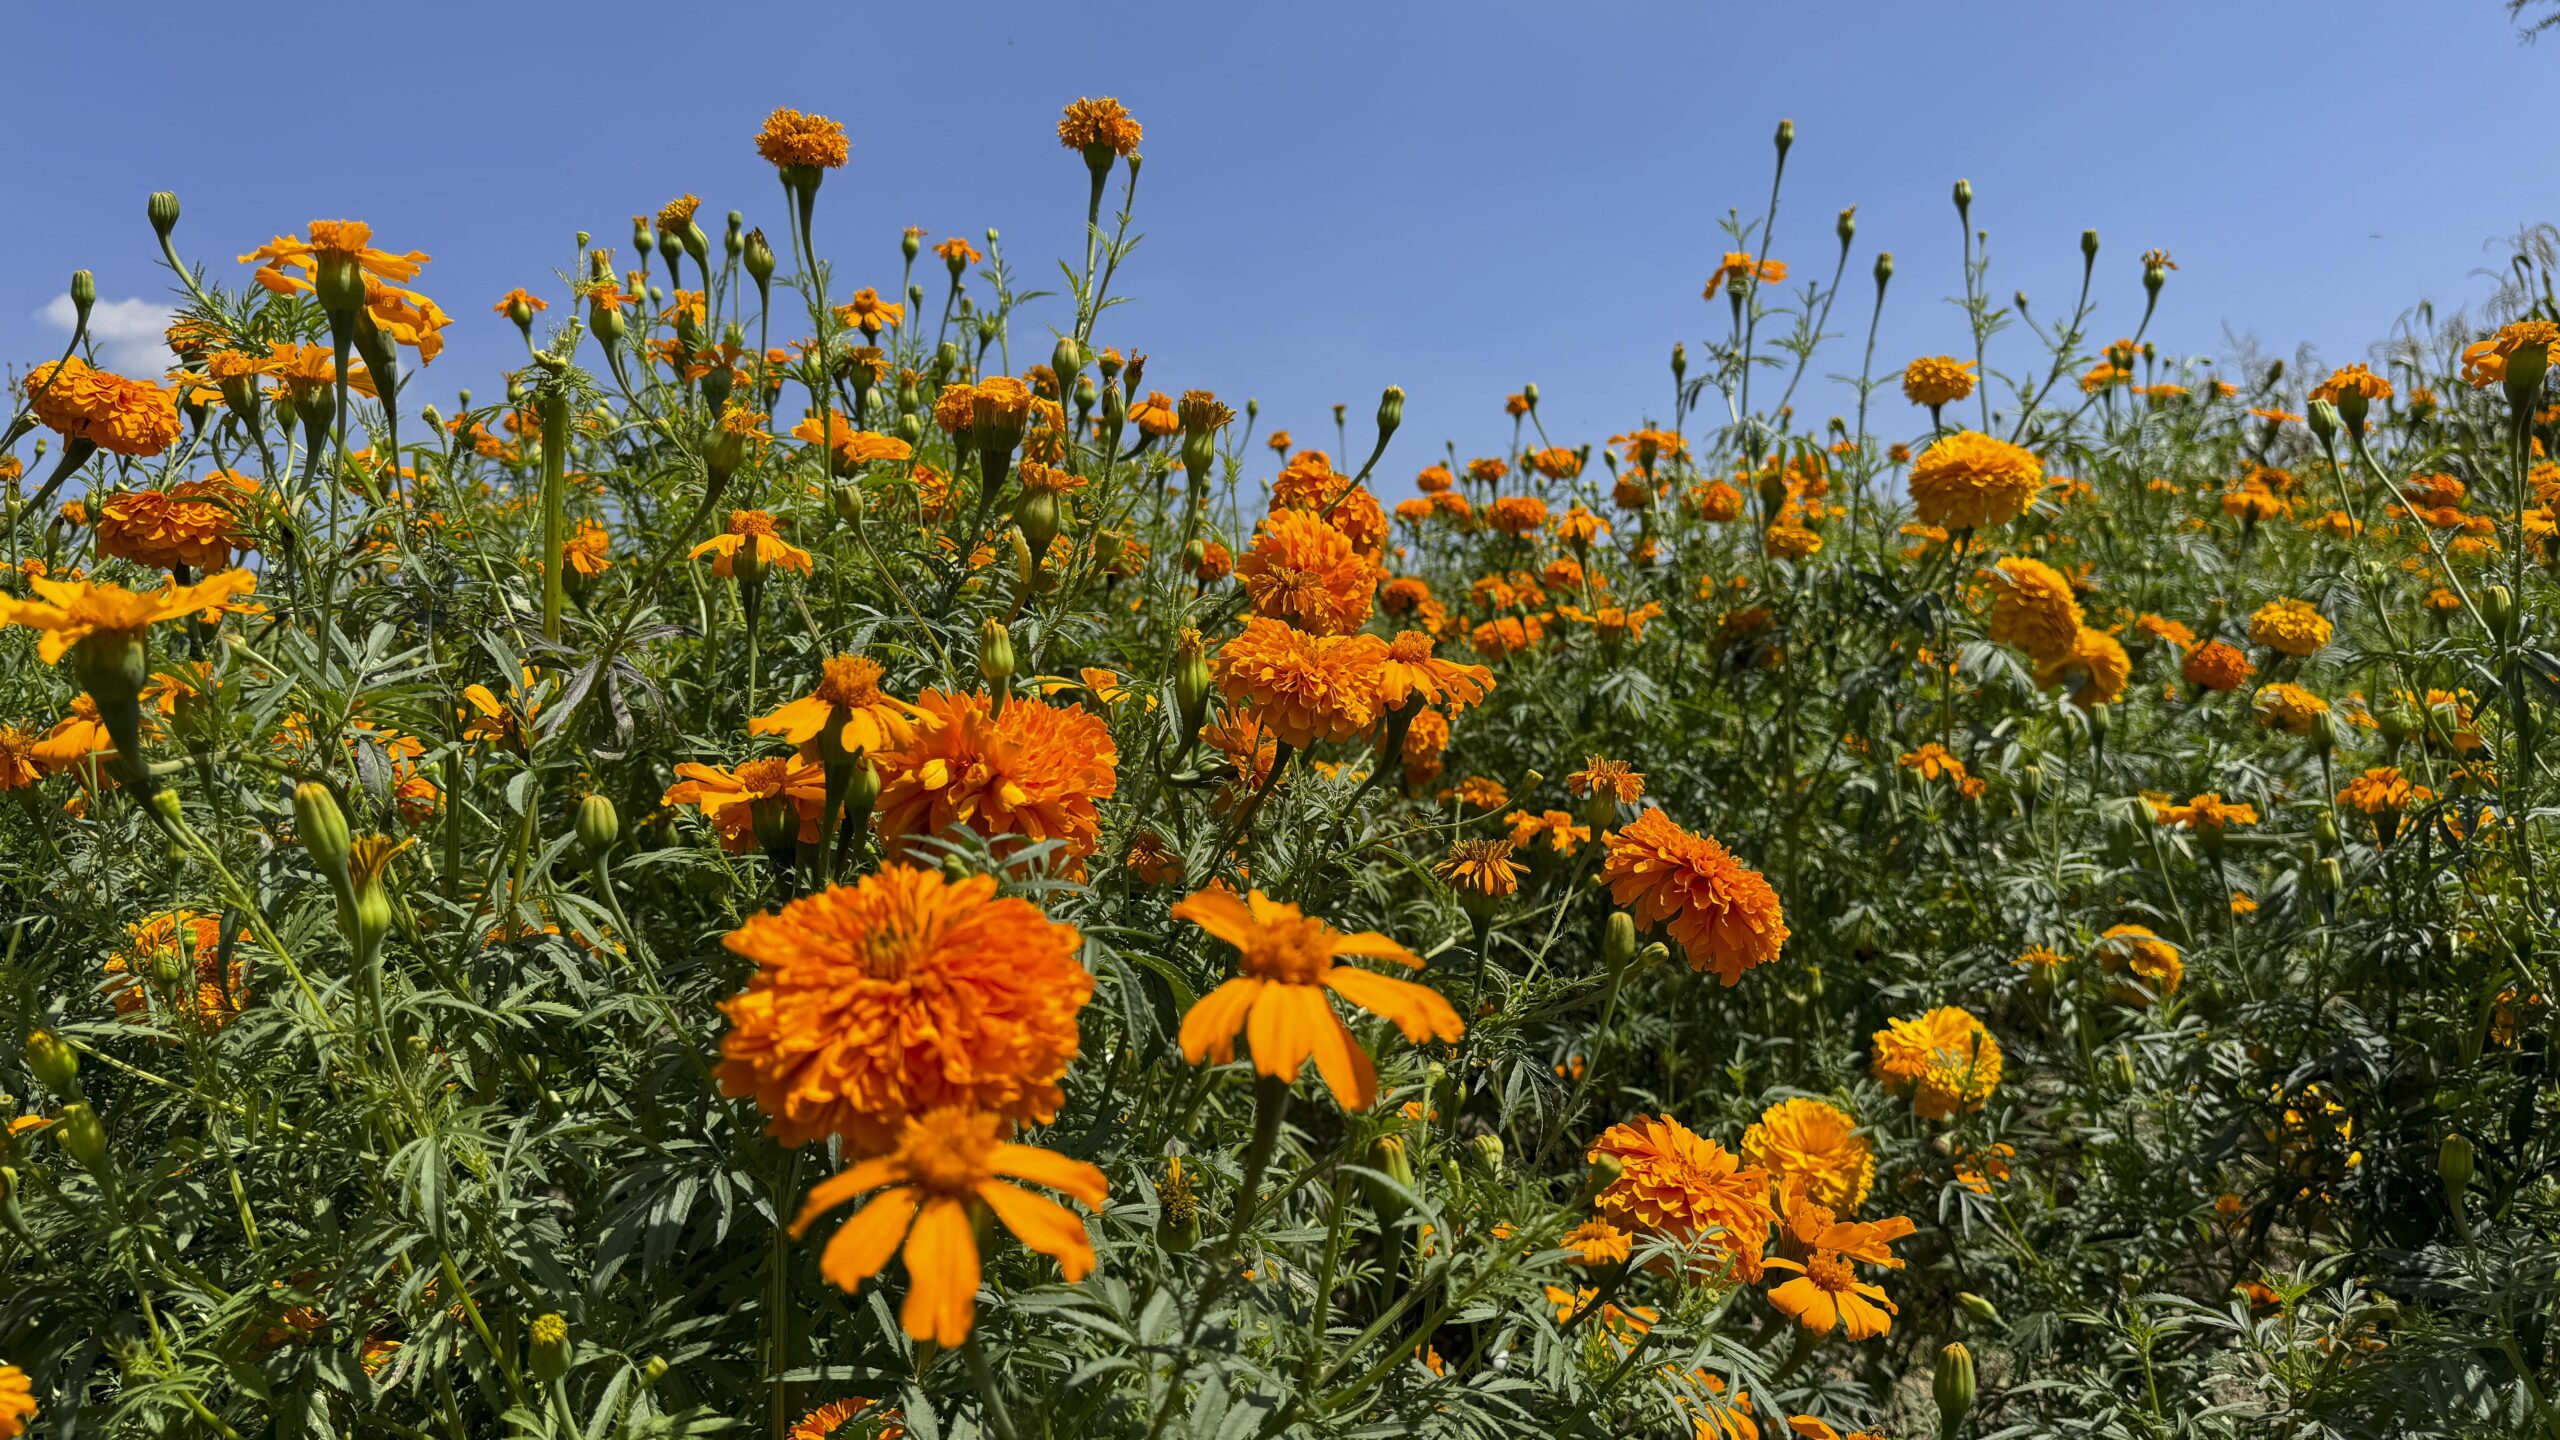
<point>131,335</point>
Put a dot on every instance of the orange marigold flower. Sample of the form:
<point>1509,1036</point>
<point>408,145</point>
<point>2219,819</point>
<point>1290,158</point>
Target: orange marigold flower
<point>1676,1183</point>
<point>876,1002</point>
<point>520,296</point>
<point>1555,462</point>
<point>1287,958</point>
<point>1611,779</point>
<point>1969,480</point>
<point>216,989</point>
<point>2152,961</point>
<point>2293,627</point>
<point>1303,687</point>
<point>1596,1242</point>
<point>2217,666</point>
<point>1306,572</point>
<point>2158,628</point>
<point>790,138</point>
<point>1155,859</point>
<point>1094,126</point>
<point>1936,380</point>
<point>1518,514</point>
<point>1815,1145</point>
<point>1945,1060</point>
<point>1726,918</point>
<point>781,796</point>
<point>1480,869</point>
<point>2354,380</point>
<point>850,449</point>
<point>751,535</point>
<point>119,416</point>
<point>2485,363</point>
<point>586,551</point>
<point>1826,1294</point>
<point>1563,835</point>
<point>71,611</point>
<point>2095,669</point>
<point>19,767</point>
<point>2032,608</point>
<point>1030,774</point>
<point>1791,542</point>
<point>196,523</point>
<point>1411,675</point>
<point>870,314</point>
<point>1739,270</point>
<point>846,713</point>
<point>2288,707</point>
<point>17,1402</point>
<point>1404,595</point>
<point>344,249</point>
<point>823,1422</point>
<point>2209,811</point>
<point>1717,502</point>
<point>949,1161</point>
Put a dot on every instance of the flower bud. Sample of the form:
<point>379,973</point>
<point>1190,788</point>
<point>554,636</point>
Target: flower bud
<point>1977,1307</point>
<point>83,1136</point>
<point>1390,412</point>
<point>1619,945</point>
<point>2525,369</point>
<point>2089,245</point>
<point>653,1370</point>
<point>758,258</point>
<point>2331,877</point>
<point>1953,1386</point>
<point>599,825</point>
<point>2126,1076</point>
<point>995,653</point>
<point>734,240</point>
<point>1679,361</point>
<point>2322,418</point>
<point>1653,956</point>
<point>2498,607</point>
<point>1884,268</point>
<point>54,1063</point>
<point>1529,392</point>
<point>322,828</point>
<point>84,292</point>
<point>551,1350</point>
<point>1036,511</point>
<point>163,210</point>
<point>1065,359</point>
<point>1192,680</point>
<point>1786,137</point>
<point>1487,1153</point>
<point>2454,1164</point>
<point>1964,198</point>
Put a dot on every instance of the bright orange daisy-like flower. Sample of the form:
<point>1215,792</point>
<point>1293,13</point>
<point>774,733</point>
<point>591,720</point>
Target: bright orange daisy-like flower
<point>1677,1183</point>
<point>949,1164</point>
<point>72,611</point>
<point>1726,918</point>
<point>1412,675</point>
<point>875,1002</point>
<point>2354,382</point>
<point>1303,688</point>
<point>2485,362</point>
<point>2152,962</point>
<point>823,1422</point>
<point>1740,268</point>
<point>17,1401</point>
<point>1600,775</point>
<point>847,710</point>
<point>1280,1001</point>
<point>781,796</point>
<point>1480,869</point>
<point>1826,1294</point>
<point>1304,571</point>
<point>118,415</point>
<point>345,247</point>
<point>850,449</point>
<point>750,547</point>
<point>1946,1060</point>
<point>1030,774</point>
<point>790,139</point>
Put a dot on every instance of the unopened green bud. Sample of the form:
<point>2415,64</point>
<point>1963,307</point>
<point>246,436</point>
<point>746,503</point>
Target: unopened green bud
<point>1486,1150</point>
<point>1390,412</point>
<point>83,1136</point>
<point>653,1370</point>
<point>1953,1386</point>
<point>1065,359</point>
<point>1884,267</point>
<point>1619,945</point>
<point>2454,1165</point>
<point>1652,956</point>
<point>2088,244</point>
<point>2322,416</point>
<point>163,210</point>
<point>1977,1307</point>
<point>54,1063</point>
<point>1192,680</point>
<point>2498,607</point>
<point>995,653</point>
<point>322,828</point>
<point>599,825</point>
<point>1786,136</point>
<point>84,292</point>
<point>758,257</point>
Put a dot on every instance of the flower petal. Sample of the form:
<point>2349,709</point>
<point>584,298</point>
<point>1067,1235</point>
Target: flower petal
<point>868,1238</point>
<point>1209,1027</point>
<point>1417,1010</point>
<point>1044,1225</point>
<point>1048,1167</point>
<point>942,1274</point>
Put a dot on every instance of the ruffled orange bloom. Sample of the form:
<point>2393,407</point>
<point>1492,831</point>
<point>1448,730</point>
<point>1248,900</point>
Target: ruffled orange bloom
<point>1279,1002</point>
<point>2290,627</point>
<point>1936,380</point>
<point>823,1422</point>
<point>2208,811</point>
<point>18,766</point>
<point>214,992</point>
<point>1518,514</point>
<point>1969,480</point>
<point>1816,1146</point>
<point>71,611</point>
<point>1725,917</point>
<point>195,523</point>
<point>1411,675</point>
<point>1946,1060</point>
<point>2217,666</point>
<point>1031,774</point>
<point>1676,1183</point>
<point>876,1002</point>
<point>949,1162</point>
<point>2032,608</point>
<point>2094,669</point>
<point>847,710</point>
<point>17,1402</point>
<point>1304,571</point>
<point>790,139</point>
<point>1102,125</point>
<point>2289,708</point>
<point>119,416</point>
<point>751,534</point>
<point>1310,483</point>
<point>2485,362</point>
<point>2353,381</point>
<point>781,796</point>
<point>1303,688</point>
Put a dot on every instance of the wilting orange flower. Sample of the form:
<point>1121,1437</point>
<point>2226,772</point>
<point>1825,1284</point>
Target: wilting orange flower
<point>194,523</point>
<point>2137,950</point>
<point>1936,380</point>
<point>1946,1060</point>
<point>1676,1183</point>
<point>1826,1294</point>
<point>751,534</point>
<point>846,710</point>
<point>212,993</point>
<point>1601,776</point>
<point>1480,869</point>
<point>876,1002</point>
<point>2293,627</point>
<point>1725,917</point>
<point>1155,860</point>
<point>1411,675</point>
<point>305,370</point>
<point>950,1162</point>
<point>1304,571</point>
<point>2485,362</point>
<point>1563,835</point>
<point>1739,268</point>
<point>1103,124</point>
<point>586,550</point>
<point>1303,688</point>
<point>790,138</point>
<point>1816,1145</point>
<point>71,611</point>
<point>786,794</point>
<point>1280,1001</point>
<point>1968,480</point>
<point>119,416</point>
<point>2032,608</point>
<point>2217,666</point>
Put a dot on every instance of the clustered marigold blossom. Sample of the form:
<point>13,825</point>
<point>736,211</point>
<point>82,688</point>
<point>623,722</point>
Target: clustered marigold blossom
<point>1946,1060</point>
<point>1280,1001</point>
<point>949,1162</point>
<point>1103,125</point>
<point>791,139</point>
<point>1410,675</point>
<point>823,1422</point>
<point>1303,688</point>
<point>1969,480</point>
<point>1028,775</point>
<point>1813,1145</point>
<point>2208,811</point>
<point>1726,918</point>
<point>2138,951</point>
<point>1518,515</point>
<point>17,1402</point>
<point>1678,1184</point>
<point>2217,666</point>
<point>1306,572</point>
<point>1937,380</point>
<point>98,407</point>
<point>213,989</point>
<point>2289,707</point>
<point>2033,608</point>
<point>876,1002</point>
<point>2292,627</point>
<point>193,524</point>
<point>2353,382</point>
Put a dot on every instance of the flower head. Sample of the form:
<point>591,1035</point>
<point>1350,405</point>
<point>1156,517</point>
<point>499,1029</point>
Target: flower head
<point>1280,1000</point>
<point>1480,869</point>
<point>2215,665</point>
<point>2152,961</point>
<point>1103,124</point>
<point>2292,627</point>
<point>17,1402</point>
<point>1029,775</point>
<point>119,416</point>
<point>876,1002</point>
<point>2288,707</point>
<point>1946,1060</point>
<point>750,547</point>
<point>1937,380</point>
<point>1815,1145</point>
<point>1726,918</point>
<point>2032,608</point>
<point>790,138</point>
<point>1676,1183</point>
<point>1303,687</point>
<point>195,524</point>
<point>1306,572</point>
<point>1969,480</point>
<point>71,611</point>
<point>1411,675</point>
<point>846,710</point>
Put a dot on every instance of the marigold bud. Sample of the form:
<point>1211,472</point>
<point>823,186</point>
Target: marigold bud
<point>83,1136</point>
<point>322,828</point>
<point>599,826</point>
<point>2498,607</point>
<point>53,1062</point>
<point>2089,245</point>
<point>1487,1152</point>
<point>163,210</point>
<point>1618,946</point>
<point>653,1370</point>
<point>2454,1164</point>
<point>995,653</point>
<point>1884,268</point>
<point>552,1351</point>
<point>1192,680</point>
<point>1964,197</point>
<point>1953,1386</point>
<point>1390,412</point>
<point>1977,1307</point>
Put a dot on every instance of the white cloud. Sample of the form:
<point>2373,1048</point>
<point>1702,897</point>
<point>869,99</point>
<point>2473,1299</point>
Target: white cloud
<point>130,334</point>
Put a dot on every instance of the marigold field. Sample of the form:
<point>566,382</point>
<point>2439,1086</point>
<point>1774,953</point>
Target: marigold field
<point>787,868</point>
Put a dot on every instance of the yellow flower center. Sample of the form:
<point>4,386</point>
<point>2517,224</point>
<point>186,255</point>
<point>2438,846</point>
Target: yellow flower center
<point>950,1152</point>
<point>764,778</point>
<point>850,682</point>
<point>1292,952</point>
<point>1830,1272</point>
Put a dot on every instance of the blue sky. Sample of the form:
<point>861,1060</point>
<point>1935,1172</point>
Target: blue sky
<point>1451,197</point>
